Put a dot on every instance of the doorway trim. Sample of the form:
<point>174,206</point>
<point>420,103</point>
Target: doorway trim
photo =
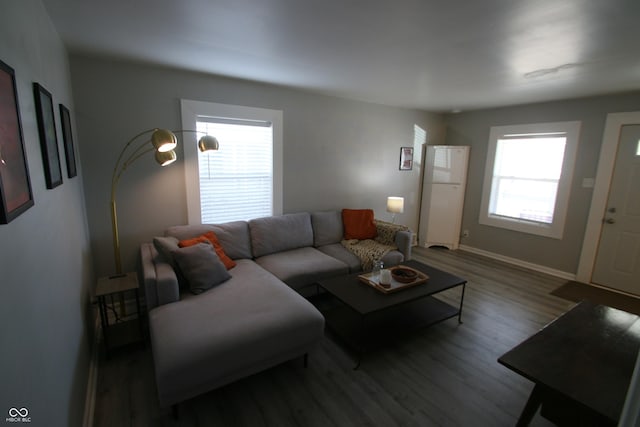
<point>606,164</point>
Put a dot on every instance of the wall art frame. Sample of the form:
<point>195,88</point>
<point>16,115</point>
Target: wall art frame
<point>16,195</point>
<point>406,158</point>
<point>48,136</point>
<point>67,137</point>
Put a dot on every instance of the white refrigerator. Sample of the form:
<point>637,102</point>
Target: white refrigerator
<point>445,179</point>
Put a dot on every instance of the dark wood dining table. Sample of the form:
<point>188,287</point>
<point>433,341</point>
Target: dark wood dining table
<point>581,365</point>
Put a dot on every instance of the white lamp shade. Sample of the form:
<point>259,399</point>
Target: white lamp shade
<point>395,204</point>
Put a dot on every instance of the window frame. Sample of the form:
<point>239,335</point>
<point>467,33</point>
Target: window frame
<point>555,229</point>
<point>191,111</point>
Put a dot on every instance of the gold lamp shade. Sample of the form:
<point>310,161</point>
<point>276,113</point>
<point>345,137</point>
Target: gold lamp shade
<point>164,140</point>
<point>208,143</point>
<point>165,158</point>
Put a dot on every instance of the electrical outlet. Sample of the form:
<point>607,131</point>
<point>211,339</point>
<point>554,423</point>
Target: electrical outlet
<point>465,233</point>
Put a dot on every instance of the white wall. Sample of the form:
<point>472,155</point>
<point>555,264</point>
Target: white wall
<point>337,153</point>
<point>45,261</point>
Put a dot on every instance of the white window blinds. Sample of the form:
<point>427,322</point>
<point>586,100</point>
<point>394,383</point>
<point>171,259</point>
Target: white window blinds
<point>236,182</point>
<point>526,175</point>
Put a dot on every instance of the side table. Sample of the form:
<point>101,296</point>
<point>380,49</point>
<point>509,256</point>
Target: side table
<point>123,329</point>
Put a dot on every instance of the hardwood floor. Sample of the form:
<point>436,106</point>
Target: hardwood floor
<point>446,375</point>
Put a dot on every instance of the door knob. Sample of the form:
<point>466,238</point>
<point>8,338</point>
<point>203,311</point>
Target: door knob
<point>610,221</point>
<point>612,210</point>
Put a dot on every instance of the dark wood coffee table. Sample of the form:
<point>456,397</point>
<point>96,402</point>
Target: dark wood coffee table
<point>368,318</point>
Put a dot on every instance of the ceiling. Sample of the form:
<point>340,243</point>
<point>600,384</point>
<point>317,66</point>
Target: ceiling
<point>429,54</point>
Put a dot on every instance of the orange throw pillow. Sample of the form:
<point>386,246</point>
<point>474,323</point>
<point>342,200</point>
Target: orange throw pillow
<point>358,224</point>
<point>210,237</point>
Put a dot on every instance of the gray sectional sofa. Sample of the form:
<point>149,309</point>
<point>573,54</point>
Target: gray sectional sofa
<point>257,318</point>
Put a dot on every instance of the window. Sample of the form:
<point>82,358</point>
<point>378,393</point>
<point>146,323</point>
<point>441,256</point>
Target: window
<point>528,177</point>
<point>243,179</point>
<point>236,182</point>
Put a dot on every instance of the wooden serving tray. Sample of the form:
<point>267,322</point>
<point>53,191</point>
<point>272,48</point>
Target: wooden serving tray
<point>396,286</point>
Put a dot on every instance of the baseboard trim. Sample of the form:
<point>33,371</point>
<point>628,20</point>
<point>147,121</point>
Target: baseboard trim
<point>617,291</point>
<point>92,381</point>
<point>520,263</point>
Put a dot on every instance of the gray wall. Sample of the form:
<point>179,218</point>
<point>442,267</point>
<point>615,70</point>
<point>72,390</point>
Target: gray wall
<point>45,261</point>
<point>337,153</point>
<point>472,129</point>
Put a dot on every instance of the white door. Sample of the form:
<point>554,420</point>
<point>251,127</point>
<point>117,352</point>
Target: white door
<point>618,258</point>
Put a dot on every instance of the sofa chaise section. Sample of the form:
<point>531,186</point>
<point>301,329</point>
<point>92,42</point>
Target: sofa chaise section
<point>243,326</point>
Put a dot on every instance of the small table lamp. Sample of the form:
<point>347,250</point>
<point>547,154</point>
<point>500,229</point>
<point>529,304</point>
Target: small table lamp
<point>395,205</point>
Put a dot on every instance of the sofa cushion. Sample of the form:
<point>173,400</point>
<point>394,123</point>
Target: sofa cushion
<point>343,254</point>
<point>210,237</point>
<point>302,267</point>
<point>247,324</point>
<point>327,228</point>
<point>358,224</point>
<point>233,236</point>
<point>201,266</point>
<point>368,251</point>
<point>280,233</point>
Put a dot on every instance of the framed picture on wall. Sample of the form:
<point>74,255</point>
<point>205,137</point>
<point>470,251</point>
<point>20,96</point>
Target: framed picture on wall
<point>406,158</point>
<point>67,137</point>
<point>15,186</point>
<point>48,136</point>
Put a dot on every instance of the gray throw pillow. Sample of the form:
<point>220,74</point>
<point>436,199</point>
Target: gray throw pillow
<point>165,247</point>
<point>201,267</point>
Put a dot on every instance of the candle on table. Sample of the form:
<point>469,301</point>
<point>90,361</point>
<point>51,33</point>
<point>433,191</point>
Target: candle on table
<point>385,277</point>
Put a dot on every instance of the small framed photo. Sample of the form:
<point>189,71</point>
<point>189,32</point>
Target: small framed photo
<point>48,136</point>
<point>406,158</point>
<point>15,186</point>
<point>67,137</point>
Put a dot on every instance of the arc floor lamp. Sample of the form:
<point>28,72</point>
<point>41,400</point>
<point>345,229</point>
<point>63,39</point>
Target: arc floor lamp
<point>163,142</point>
